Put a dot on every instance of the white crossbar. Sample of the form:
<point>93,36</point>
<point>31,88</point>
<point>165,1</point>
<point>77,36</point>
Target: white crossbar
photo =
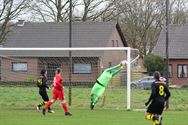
<point>70,49</point>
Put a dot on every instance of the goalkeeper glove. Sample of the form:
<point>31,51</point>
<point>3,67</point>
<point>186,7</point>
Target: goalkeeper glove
<point>123,62</point>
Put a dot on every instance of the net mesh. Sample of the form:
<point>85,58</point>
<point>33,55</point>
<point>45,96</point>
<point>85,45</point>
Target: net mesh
<point>25,66</point>
<point>19,71</point>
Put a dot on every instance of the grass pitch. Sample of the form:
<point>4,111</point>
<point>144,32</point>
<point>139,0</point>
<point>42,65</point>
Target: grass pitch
<point>17,108</point>
<point>87,117</point>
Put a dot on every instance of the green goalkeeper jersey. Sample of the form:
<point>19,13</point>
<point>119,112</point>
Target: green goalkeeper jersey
<point>105,77</point>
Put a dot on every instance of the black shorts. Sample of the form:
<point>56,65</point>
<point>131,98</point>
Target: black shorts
<point>156,108</point>
<point>44,95</point>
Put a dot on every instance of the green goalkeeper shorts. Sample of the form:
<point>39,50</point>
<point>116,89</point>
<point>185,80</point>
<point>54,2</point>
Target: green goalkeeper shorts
<point>98,90</point>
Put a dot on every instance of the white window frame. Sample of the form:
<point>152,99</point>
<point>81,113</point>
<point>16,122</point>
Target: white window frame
<point>179,70</point>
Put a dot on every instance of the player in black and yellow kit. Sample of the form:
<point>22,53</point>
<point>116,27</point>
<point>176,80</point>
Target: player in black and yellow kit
<point>42,84</point>
<point>159,95</point>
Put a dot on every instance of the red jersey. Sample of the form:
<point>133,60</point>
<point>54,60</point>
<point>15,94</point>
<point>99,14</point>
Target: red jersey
<point>57,82</point>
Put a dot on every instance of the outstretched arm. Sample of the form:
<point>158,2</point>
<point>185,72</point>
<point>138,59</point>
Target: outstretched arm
<point>167,93</point>
<point>112,68</point>
<point>119,66</point>
<point>116,72</point>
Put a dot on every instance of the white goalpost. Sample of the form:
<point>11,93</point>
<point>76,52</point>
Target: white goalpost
<point>22,52</point>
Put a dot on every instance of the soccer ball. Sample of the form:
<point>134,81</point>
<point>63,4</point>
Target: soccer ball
<point>123,62</point>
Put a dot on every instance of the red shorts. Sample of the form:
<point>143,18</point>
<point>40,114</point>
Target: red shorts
<point>58,94</point>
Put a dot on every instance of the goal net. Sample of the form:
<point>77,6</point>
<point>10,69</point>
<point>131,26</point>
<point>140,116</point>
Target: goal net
<point>20,67</point>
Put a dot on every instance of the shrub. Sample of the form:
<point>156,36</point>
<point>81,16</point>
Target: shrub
<point>153,63</point>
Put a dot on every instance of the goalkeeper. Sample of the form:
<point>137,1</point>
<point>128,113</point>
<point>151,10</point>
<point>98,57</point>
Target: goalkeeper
<point>102,82</point>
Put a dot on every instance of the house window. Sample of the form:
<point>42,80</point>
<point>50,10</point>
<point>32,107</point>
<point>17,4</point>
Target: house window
<point>19,67</point>
<point>113,43</point>
<point>170,71</point>
<point>79,68</point>
<point>182,71</point>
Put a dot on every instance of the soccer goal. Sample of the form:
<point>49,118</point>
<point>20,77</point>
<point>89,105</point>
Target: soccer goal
<point>80,66</point>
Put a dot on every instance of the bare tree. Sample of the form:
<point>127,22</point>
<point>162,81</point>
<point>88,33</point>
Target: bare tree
<point>142,21</point>
<point>179,13</point>
<point>84,10</point>
<point>51,10</point>
<point>97,10</point>
<point>9,10</point>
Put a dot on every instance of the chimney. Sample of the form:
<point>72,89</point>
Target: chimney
<point>20,23</point>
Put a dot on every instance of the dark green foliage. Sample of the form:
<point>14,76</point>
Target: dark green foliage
<point>153,63</point>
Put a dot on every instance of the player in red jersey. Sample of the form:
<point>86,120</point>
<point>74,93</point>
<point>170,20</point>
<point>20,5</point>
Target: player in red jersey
<point>58,93</point>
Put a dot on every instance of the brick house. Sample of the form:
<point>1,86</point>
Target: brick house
<point>178,52</point>
<point>87,65</point>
